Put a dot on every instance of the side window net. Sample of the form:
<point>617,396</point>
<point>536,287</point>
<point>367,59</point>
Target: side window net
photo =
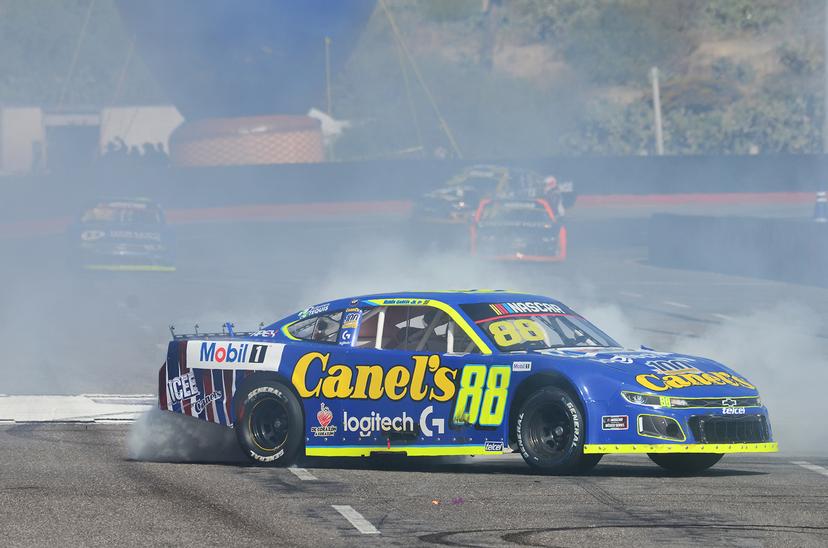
<point>413,328</point>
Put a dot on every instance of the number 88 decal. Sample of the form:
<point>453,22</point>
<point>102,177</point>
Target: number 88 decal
<point>511,332</point>
<point>482,396</point>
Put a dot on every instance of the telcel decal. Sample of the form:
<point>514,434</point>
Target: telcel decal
<point>497,446</point>
<point>661,383</point>
<point>234,355</point>
<point>314,377</point>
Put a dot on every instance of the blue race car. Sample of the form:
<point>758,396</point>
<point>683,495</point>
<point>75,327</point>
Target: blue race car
<point>460,373</point>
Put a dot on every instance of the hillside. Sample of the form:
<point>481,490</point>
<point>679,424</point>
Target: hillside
<point>510,78</point>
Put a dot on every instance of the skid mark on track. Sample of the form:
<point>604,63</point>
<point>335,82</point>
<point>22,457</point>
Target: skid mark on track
<point>533,537</point>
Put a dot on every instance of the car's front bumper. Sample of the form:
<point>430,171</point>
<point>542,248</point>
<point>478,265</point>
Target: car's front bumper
<point>693,430</point>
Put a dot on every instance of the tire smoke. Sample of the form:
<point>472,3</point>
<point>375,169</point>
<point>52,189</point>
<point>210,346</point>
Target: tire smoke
<point>161,436</point>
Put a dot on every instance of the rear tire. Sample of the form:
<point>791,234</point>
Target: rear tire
<point>551,431</point>
<point>269,425</point>
<point>689,463</point>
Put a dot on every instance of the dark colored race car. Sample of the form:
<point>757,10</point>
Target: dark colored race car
<point>459,373</point>
<point>125,235</point>
<point>457,201</point>
<point>511,230</point>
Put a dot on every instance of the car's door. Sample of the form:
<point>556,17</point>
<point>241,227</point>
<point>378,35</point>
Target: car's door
<point>421,384</point>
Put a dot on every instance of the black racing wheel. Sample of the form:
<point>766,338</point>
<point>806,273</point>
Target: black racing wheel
<point>269,424</point>
<point>685,463</point>
<point>551,432</point>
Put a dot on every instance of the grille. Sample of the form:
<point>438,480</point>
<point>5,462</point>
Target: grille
<point>716,429</point>
<point>742,401</point>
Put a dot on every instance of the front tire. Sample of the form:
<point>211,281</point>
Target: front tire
<point>269,424</point>
<point>551,432</point>
<point>689,463</point>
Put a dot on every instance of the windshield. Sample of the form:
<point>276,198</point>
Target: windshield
<point>517,212</point>
<point>527,326</point>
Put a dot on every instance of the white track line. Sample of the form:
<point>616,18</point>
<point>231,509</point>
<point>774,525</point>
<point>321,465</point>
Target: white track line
<point>630,294</point>
<point>811,467</point>
<point>302,474</point>
<point>677,305</point>
<point>355,518</point>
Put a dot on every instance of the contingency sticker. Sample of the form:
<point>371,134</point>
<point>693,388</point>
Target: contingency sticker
<point>615,422</point>
<point>233,355</point>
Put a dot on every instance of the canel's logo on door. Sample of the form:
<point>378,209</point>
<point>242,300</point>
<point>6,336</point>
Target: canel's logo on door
<point>314,376</point>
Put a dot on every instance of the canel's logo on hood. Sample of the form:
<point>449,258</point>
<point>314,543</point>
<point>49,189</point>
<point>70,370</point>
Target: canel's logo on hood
<point>664,371</point>
<point>660,383</point>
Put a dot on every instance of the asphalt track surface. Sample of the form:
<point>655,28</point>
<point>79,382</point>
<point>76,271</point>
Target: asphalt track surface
<point>72,484</point>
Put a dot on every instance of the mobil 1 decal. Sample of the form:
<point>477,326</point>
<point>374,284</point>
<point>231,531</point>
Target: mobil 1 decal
<point>234,355</point>
<point>481,398</point>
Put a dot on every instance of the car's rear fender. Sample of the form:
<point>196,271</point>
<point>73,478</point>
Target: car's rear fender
<point>257,378</point>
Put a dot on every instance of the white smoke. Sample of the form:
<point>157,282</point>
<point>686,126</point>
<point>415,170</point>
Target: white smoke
<point>781,350</point>
<point>161,436</point>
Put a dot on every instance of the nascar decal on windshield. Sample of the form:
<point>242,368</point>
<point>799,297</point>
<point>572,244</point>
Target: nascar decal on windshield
<point>503,309</point>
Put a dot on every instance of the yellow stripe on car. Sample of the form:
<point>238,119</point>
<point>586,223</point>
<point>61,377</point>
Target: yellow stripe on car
<point>410,451</point>
<point>769,447</point>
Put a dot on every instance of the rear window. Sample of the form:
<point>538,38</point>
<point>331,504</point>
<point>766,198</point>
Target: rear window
<point>324,329</point>
<point>523,212</point>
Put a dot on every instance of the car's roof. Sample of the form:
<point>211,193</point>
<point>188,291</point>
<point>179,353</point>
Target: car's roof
<point>456,297</point>
<point>452,298</point>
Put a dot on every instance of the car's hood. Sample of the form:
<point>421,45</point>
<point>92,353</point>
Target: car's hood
<point>660,372</point>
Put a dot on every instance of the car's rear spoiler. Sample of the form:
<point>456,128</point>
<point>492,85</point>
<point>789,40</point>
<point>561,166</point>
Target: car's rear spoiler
<point>226,331</point>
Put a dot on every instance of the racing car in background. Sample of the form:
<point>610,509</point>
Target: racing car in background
<point>128,234</point>
<point>510,230</point>
<point>459,373</point>
<point>460,197</point>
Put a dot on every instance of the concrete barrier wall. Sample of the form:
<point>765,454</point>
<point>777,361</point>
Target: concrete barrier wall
<point>780,249</point>
<point>398,180</point>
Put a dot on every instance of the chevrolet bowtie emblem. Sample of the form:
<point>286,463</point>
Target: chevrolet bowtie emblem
<point>728,402</point>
